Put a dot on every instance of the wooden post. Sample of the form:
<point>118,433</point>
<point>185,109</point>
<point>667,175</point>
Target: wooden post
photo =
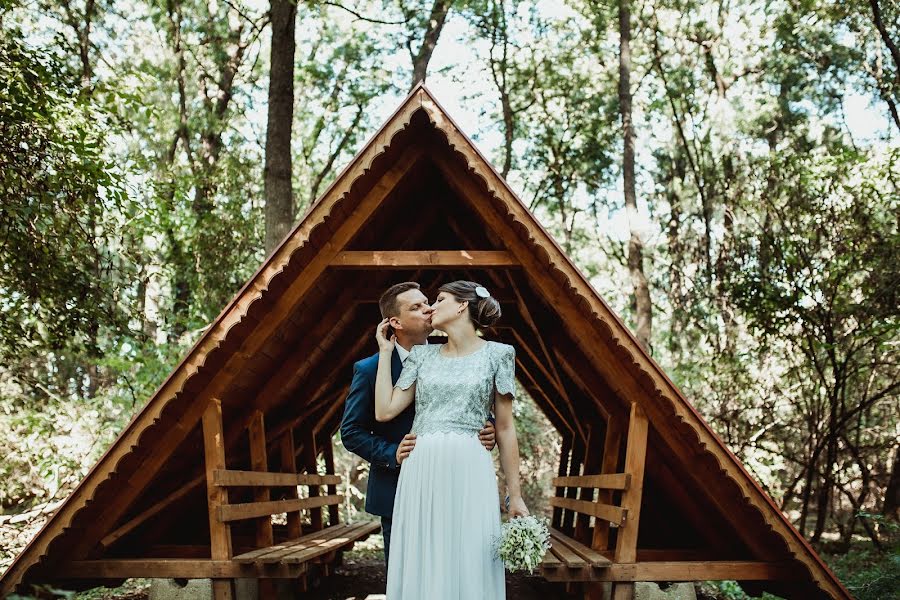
<point>310,464</point>
<point>219,532</point>
<point>635,459</point>
<point>623,591</point>
<point>562,471</point>
<point>610,464</point>
<point>259,462</point>
<point>331,490</point>
<point>289,465</point>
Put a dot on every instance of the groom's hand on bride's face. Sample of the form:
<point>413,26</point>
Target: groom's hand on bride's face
<point>488,436</point>
<point>406,446</point>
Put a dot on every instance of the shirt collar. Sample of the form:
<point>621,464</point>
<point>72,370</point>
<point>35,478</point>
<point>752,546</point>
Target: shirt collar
<point>403,352</point>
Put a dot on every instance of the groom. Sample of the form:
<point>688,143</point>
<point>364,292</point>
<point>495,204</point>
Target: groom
<point>386,445</point>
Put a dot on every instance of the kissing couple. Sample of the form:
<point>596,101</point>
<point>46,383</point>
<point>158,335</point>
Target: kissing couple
<point>426,416</point>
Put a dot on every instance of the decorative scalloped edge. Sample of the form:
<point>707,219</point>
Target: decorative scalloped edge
<point>626,347</point>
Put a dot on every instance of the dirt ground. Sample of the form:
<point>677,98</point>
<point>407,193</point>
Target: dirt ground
<point>363,578</point>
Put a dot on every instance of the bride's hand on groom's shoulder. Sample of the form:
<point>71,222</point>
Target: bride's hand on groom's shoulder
<point>384,344</point>
<point>517,507</point>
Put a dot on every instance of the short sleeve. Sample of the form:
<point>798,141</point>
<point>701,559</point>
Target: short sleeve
<point>505,375</point>
<point>410,369</point>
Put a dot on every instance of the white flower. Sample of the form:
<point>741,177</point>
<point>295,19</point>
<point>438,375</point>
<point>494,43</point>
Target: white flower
<point>522,543</point>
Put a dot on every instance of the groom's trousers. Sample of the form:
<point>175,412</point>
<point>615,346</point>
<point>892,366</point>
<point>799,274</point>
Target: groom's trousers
<point>386,531</point>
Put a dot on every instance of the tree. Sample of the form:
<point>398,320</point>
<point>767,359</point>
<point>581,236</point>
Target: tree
<point>277,173</point>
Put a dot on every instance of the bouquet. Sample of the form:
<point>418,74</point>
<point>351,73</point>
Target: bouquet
<point>522,543</point>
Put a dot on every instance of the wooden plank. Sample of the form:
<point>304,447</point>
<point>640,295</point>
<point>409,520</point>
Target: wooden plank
<point>635,458</point>
<point>233,478</point>
<point>256,555</point>
<point>568,557</point>
<point>550,561</point>
<point>173,568</point>
<point>277,553</point>
<point>217,498</point>
<point>333,543</point>
<point>445,259</point>
<point>259,462</point>
<point>612,481</point>
<point>592,556</point>
<point>612,444</point>
<point>613,514</point>
<point>289,466</point>
<point>252,510</point>
<point>681,571</point>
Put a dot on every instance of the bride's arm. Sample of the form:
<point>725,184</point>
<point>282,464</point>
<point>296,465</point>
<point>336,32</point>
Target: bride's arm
<point>390,401</point>
<point>509,453</point>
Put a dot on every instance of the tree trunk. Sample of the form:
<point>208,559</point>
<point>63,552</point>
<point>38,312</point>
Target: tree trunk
<point>279,196</point>
<point>429,40</point>
<point>643,311</point>
<point>891,507</point>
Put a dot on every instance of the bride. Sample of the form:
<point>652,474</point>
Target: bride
<point>446,514</point>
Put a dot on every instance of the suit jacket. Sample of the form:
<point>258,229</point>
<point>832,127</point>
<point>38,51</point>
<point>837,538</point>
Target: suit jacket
<point>376,442</point>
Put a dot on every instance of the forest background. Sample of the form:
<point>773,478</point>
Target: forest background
<point>724,171</point>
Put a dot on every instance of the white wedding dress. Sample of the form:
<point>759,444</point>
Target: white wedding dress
<point>446,512</point>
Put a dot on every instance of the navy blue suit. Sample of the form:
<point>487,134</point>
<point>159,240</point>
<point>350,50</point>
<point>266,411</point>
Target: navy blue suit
<point>376,442</point>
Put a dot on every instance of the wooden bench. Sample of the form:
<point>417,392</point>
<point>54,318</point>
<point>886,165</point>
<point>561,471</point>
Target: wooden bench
<point>319,545</point>
<point>591,497</point>
<point>571,560</point>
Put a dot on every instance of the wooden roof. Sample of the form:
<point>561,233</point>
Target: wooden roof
<point>286,343</point>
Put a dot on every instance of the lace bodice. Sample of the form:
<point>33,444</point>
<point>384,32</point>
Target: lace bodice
<point>455,394</point>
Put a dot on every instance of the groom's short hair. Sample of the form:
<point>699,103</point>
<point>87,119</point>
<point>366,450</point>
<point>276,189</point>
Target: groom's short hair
<point>388,301</point>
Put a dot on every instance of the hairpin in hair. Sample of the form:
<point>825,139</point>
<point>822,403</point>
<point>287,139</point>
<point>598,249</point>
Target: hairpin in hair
<point>482,292</point>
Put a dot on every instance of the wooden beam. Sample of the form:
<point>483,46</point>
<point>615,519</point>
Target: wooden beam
<point>256,479</point>
<point>217,497</point>
<point>612,443</point>
<point>259,462</point>
<point>174,568</point>
<point>252,510</point>
<point>635,458</point>
<point>440,259</point>
<point>682,571</point>
<point>613,514</point>
<point>611,481</point>
<point>289,466</point>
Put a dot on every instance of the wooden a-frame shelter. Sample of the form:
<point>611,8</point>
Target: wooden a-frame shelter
<point>646,490</point>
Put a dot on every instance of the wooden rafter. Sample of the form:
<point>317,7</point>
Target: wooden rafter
<point>430,259</point>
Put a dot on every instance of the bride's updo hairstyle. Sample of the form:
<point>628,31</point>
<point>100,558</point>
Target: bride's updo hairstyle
<point>484,310</point>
